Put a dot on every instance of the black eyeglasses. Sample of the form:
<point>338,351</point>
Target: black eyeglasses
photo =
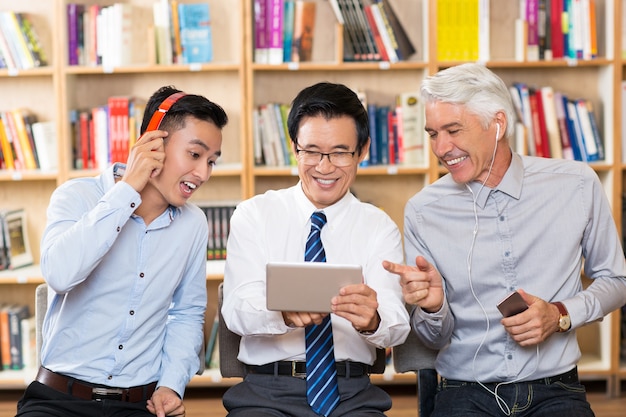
<point>338,159</point>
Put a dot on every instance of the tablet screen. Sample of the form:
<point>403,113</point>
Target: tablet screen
<point>307,286</point>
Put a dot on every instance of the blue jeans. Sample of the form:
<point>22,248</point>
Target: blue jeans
<point>520,399</point>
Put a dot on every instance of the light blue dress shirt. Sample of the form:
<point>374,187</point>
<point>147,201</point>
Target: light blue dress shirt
<point>128,301</point>
<point>533,231</point>
<point>274,227</point>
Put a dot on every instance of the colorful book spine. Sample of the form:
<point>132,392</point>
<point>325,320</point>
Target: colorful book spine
<point>274,27</point>
<point>195,33</point>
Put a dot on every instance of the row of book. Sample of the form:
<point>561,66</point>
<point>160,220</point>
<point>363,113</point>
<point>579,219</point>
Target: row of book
<point>17,337</point>
<point>557,126</point>
<point>20,47</point>
<point>558,29</point>
<point>283,30</point>
<point>463,30</point>
<point>218,216</point>
<point>372,31</point>
<point>113,36</point>
<point>14,244</point>
<point>396,132</point>
<point>104,134</point>
<point>25,142</point>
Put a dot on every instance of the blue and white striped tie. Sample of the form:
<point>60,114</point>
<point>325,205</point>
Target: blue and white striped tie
<point>321,374</point>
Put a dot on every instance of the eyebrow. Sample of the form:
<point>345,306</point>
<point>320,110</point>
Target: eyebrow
<point>204,145</point>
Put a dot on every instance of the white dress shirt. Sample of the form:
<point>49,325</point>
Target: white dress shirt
<point>274,227</point>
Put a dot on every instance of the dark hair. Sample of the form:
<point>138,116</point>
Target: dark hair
<point>189,105</point>
<point>330,101</point>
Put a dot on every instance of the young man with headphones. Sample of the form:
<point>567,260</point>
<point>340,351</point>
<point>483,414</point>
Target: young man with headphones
<point>124,256</point>
<point>500,223</point>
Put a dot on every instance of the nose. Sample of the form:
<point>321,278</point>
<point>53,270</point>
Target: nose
<point>324,165</point>
<point>441,145</point>
<point>203,171</point>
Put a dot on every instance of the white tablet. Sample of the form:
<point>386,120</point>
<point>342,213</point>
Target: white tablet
<point>307,286</point>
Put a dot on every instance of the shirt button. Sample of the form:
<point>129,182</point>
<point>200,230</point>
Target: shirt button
<point>120,347</point>
<point>132,205</point>
<point>501,218</point>
<point>110,377</point>
<point>132,312</point>
<point>119,228</point>
<point>509,356</point>
<point>141,275</point>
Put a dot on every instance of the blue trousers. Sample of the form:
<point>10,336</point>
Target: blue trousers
<point>520,399</point>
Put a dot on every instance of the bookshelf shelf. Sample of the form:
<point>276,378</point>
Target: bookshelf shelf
<point>239,84</point>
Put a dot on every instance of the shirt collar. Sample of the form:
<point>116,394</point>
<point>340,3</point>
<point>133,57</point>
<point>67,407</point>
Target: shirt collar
<point>334,213</point>
<point>115,172</point>
<point>511,183</point>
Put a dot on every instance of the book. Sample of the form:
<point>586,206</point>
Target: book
<point>385,36</point>
<point>288,16</point>
<point>44,135</point>
<point>14,229</point>
<point>16,314</point>
<point>405,46</point>
<point>11,25</point>
<point>8,152</point>
<point>355,48</point>
<point>74,10</point>
<point>211,344</point>
<point>559,107</point>
<point>303,27</point>
<point>552,125</point>
<point>10,130</point>
<point>162,30</point>
<point>5,337</point>
<point>274,26</point>
<point>532,22</point>
<point>578,143</point>
<point>31,37</point>
<point>28,330</point>
<point>23,135</point>
<point>591,148</point>
<point>260,32</point>
<point>380,45</point>
<point>596,131</point>
<point>195,33</point>
<point>412,128</point>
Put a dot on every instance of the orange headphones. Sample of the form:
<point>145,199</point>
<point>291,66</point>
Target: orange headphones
<point>164,107</point>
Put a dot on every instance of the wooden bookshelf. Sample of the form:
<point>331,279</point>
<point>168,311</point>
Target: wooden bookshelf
<point>239,84</point>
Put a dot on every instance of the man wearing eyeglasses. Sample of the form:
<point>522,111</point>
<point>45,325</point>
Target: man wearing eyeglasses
<point>329,133</point>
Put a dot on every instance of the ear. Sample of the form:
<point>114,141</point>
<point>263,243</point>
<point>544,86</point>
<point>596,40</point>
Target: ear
<point>365,150</point>
<point>501,124</point>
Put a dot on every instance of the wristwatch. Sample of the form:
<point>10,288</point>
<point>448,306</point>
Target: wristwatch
<point>564,321</point>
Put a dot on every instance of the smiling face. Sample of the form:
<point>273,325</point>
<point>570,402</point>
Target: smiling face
<point>324,184</point>
<point>190,154</point>
<point>463,146</point>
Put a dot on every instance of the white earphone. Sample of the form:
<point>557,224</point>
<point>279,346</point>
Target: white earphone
<point>497,131</point>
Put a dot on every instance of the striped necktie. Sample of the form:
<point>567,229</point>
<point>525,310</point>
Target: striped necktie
<point>321,375</point>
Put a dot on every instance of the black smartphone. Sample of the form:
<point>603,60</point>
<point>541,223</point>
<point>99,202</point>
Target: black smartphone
<point>513,304</point>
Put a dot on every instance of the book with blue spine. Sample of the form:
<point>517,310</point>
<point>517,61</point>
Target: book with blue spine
<point>195,33</point>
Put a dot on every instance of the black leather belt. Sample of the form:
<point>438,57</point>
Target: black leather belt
<point>569,377</point>
<point>86,391</point>
<point>298,369</point>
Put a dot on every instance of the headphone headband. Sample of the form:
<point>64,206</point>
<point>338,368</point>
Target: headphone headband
<point>159,114</point>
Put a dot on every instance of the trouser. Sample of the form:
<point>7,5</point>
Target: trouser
<point>280,396</point>
<point>42,401</point>
<point>520,399</point>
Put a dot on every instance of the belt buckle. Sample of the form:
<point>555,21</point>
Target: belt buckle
<point>100,393</point>
<point>295,373</point>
